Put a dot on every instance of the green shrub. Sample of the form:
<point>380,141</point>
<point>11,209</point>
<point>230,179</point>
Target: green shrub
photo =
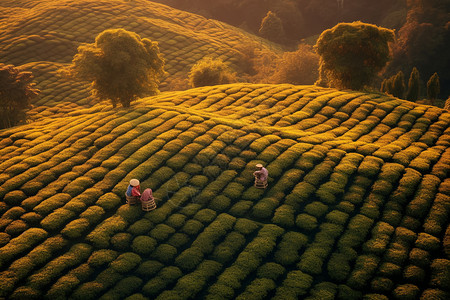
<point>31,218</point>
<point>240,208</point>
<point>14,198</point>
<point>189,259</point>
<point>178,240</point>
<point>143,244</point>
<point>164,278</point>
<point>306,222</point>
<point>414,274</point>
<point>339,266</point>
<point>427,242</point>
<point>109,201</point>
<point>205,215</point>
<point>420,257</point>
<point>289,247</point>
<point>149,268</point>
<point>316,209</point>
<point>257,289</point>
<point>125,262</point>
<point>389,270</point>
<point>363,271</point>
<point>140,227</point>
<point>323,290</point>
<point>265,208</point>
<point>161,232</point>
<point>176,220</point>
<point>75,228</point>
<point>192,227</point>
<point>434,294</point>
<point>245,226</point>
<point>295,285</point>
<point>124,288</point>
<point>225,251</point>
<point>102,258</point>
<point>406,291</point>
<point>382,285</point>
<point>345,292</point>
<point>121,241</point>
<point>52,203</point>
<point>440,273</point>
<point>270,270</point>
<point>284,216</point>
<point>219,203</point>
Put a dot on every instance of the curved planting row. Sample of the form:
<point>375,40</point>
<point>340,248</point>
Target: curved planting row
<point>44,37</point>
<point>353,208</point>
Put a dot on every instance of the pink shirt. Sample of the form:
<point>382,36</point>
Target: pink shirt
<point>262,174</point>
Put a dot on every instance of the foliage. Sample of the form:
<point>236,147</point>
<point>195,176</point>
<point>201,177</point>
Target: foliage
<point>413,85</point>
<point>210,71</point>
<point>297,67</point>
<point>121,66</point>
<point>433,87</point>
<point>351,54</point>
<point>272,27</point>
<point>16,92</point>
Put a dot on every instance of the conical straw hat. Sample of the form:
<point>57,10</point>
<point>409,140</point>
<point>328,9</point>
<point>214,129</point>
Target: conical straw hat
<point>134,182</point>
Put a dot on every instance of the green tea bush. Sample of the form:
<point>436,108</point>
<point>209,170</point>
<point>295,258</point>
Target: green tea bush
<point>440,273</point>
<point>414,274</point>
<point>306,222</point>
<point>406,291</point>
<point>396,253</point>
<point>420,257</point>
<point>264,208</point>
<point>284,216</point>
<point>165,277</point>
<point>121,241</point>
<point>52,203</point>
<point>219,203</point>
<point>241,208</point>
<point>364,269</point>
<point>57,219</point>
<point>346,292</point>
<point>257,289</point>
<point>164,253</point>
<point>14,198</point>
<point>215,231</point>
<point>75,228</point>
<point>382,285</point>
<point>435,221</point>
<point>245,226</point>
<point>270,270</point>
<point>143,244</point>
<point>189,259</point>
<point>316,209</point>
<point>225,251</point>
<point>295,285</point>
<point>76,254</point>
<point>323,290</point>
<point>337,217</point>
<point>176,220</point>
<point>101,235</point>
<point>192,227</point>
<point>205,215</point>
<point>289,247</point>
<point>101,258</point>
<point>427,242</point>
<point>124,288</point>
<point>126,262</point>
<point>109,201</point>
<point>140,227</point>
<point>233,190</point>
<point>338,266</point>
<point>149,268</point>
<point>161,232</point>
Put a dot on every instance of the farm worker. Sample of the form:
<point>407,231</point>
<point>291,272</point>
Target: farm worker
<point>147,195</point>
<point>134,189</point>
<point>261,174</point>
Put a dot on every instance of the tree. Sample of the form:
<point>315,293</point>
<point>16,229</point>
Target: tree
<point>16,92</point>
<point>433,88</point>
<point>413,85</point>
<point>120,65</point>
<point>398,85</point>
<point>298,67</point>
<point>209,71</point>
<point>272,27</point>
<point>352,54</point>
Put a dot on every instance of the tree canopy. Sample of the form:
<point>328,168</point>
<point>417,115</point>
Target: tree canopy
<point>209,71</point>
<point>352,54</point>
<point>121,65</point>
<point>16,91</point>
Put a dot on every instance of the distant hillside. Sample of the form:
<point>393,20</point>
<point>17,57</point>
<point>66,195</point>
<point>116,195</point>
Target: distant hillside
<point>357,205</point>
<point>42,36</point>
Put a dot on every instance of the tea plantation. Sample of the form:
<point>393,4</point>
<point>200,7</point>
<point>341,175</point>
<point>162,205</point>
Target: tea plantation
<point>357,205</point>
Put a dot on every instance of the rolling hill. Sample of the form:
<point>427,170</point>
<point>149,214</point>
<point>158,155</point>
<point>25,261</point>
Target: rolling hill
<point>42,36</point>
<point>357,205</point>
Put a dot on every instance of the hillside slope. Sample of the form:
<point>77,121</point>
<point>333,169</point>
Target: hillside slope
<point>357,203</point>
<point>42,36</point>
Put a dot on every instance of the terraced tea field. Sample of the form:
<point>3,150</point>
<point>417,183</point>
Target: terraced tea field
<point>42,36</point>
<point>357,205</point>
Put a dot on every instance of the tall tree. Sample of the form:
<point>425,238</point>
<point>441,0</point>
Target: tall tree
<point>272,28</point>
<point>121,65</point>
<point>413,85</point>
<point>16,92</point>
<point>433,88</point>
<point>209,71</point>
<point>352,54</point>
<point>398,85</point>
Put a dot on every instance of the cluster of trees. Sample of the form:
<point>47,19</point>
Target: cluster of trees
<point>395,85</point>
